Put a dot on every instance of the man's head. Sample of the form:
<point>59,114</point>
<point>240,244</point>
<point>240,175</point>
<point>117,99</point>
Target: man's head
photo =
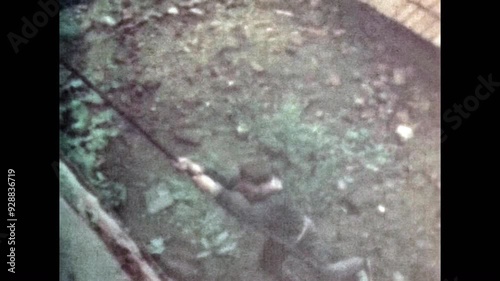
<point>258,180</point>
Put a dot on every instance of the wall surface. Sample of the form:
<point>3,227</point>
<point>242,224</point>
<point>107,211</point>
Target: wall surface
<point>83,256</point>
<point>421,16</point>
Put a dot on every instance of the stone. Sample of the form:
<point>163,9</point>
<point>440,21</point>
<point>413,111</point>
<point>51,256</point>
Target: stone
<point>256,66</point>
<point>319,114</point>
<point>197,11</point>
<point>158,198</point>
<point>404,132</point>
<point>156,246</point>
<point>359,102</point>
<point>243,130</point>
<point>338,32</point>
<point>399,76</point>
<point>173,11</point>
<point>108,20</point>
<point>403,116</point>
<point>284,13</point>
<point>397,276</point>
<point>381,208</point>
<point>341,185</point>
<point>315,4</point>
<point>334,80</point>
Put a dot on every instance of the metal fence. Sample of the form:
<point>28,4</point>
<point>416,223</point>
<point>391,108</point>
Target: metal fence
<point>421,16</point>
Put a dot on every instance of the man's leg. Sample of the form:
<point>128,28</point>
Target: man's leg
<point>273,256</point>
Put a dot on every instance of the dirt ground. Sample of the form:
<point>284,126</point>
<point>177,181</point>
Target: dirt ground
<point>183,68</point>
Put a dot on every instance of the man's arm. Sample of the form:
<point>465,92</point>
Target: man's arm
<point>272,216</point>
<point>279,221</point>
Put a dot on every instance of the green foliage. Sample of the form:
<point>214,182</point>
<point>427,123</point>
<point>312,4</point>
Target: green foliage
<point>312,157</point>
<point>215,240</point>
<point>205,227</point>
<point>196,218</point>
<point>284,134</point>
<point>85,130</point>
<point>68,26</point>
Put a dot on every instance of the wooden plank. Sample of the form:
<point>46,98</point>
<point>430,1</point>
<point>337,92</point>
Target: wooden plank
<point>124,249</point>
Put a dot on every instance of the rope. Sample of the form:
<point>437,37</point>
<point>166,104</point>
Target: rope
<point>168,154</point>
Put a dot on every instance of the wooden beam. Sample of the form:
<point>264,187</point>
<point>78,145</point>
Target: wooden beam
<point>133,262</point>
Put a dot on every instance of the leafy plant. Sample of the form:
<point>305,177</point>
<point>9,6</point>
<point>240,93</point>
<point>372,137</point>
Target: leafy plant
<point>85,130</point>
<point>196,218</point>
<point>205,227</point>
<point>215,240</point>
<point>312,157</point>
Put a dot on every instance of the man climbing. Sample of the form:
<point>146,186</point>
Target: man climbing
<point>256,199</point>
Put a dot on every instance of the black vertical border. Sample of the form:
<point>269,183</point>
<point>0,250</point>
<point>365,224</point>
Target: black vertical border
<point>469,153</point>
<point>31,141</point>
<point>470,150</point>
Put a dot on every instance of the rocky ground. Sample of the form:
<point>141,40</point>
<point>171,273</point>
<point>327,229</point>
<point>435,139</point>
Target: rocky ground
<point>193,73</point>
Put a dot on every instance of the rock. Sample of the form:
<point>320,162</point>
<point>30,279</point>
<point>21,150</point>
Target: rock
<point>383,97</point>
<point>315,3</point>
<point>359,102</point>
<point>341,184</point>
<point>381,208</point>
<point>197,11</point>
<point>156,246</point>
<point>188,4</point>
<point>173,11</point>
<point>108,20</point>
<point>403,116</point>
<point>284,13</point>
<point>399,76</point>
<point>256,67</point>
<point>334,80</point>
<point>319,113</point>
<point>338,32</point>
<point>357,76</point>
<point>158,198</point>
<point>152,14</point>
<point>397,276</point>
<point>404,132</point>
<point>243,130</point>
